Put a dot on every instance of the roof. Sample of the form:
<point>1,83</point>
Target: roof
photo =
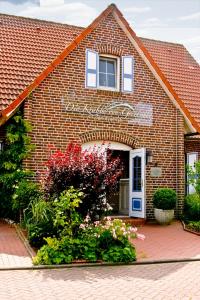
<point>181,70</point>
<point>33,48</point>
<point>27,47</point>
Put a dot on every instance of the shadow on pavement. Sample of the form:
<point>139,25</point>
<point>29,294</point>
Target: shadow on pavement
<point>151,272</point>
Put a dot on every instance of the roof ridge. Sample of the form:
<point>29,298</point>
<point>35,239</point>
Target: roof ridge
<point>40,20</point>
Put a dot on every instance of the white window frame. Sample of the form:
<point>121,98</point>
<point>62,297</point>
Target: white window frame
<point>1,145</point>
<point>190,188</point>
<point>107,56</point>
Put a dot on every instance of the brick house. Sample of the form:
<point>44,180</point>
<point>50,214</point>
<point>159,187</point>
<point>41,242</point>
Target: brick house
<point>103,83</point>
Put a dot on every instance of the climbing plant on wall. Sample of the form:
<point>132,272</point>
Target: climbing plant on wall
<point>17,147</point>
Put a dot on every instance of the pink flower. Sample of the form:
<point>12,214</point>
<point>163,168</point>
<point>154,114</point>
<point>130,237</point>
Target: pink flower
<point>140,236</point>
<point>107,218</point>
<point>82,226</point>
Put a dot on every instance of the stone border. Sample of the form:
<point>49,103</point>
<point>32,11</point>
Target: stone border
<point>188,230</point>
<point>24,240</point>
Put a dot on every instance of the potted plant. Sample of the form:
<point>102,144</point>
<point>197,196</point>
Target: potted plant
<point>164,200</point>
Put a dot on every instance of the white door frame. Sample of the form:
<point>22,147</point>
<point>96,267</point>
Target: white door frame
<point>137,198</point>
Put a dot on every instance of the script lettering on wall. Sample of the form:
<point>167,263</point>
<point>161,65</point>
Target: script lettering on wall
<point>140,113</point>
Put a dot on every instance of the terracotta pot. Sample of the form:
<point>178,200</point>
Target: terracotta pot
<point>163,217</point>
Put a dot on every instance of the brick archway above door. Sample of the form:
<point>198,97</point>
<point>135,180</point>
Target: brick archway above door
<point>108,135</point>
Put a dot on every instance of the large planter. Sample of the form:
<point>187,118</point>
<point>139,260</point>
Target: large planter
<point>163,217</point>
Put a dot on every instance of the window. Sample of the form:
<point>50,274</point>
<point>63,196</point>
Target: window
<point>137,174</point>
<point>108,72</point>
<point>103,72</point>
<point>192,158</point>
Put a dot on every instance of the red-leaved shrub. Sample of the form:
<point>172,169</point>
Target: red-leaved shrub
<point>90,171</point>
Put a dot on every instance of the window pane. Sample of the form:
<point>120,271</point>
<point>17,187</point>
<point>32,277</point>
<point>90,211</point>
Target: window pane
<point>102,66</point>
<point>102,79</point>
<point>111,67</point>
<point>111,81</point>
<point>137,174</point>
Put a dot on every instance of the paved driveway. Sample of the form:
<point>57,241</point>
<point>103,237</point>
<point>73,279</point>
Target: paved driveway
<point>12,251</point>
<point>177,281</point>
<point>166,242</point>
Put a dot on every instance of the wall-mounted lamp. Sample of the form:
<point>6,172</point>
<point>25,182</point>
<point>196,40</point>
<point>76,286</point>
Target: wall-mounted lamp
<point>149,156</point>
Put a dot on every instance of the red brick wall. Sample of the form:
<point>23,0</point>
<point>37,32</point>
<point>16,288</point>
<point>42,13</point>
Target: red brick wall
<point>52,125</point>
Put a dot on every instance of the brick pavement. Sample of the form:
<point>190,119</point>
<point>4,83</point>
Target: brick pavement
<point>162,242</point>
<point>12,251</point>
<point>167,242</point>
<point>174,281</point>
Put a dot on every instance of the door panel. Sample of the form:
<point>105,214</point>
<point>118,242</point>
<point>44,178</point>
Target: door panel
<point>137,201</point>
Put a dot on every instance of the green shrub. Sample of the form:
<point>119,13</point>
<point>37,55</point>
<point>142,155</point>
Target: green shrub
<point>119,253</point>
<point>25,192</point>
<point>195,226</point>
<point>192,207</point>
<point>66,217</point>
<point>38,219</point>
<point>56,252</point>
<point>107,241</point>
<point>164,198</point>
<point>53,219</point>
<point>38,211</point>
<point>39,231</point>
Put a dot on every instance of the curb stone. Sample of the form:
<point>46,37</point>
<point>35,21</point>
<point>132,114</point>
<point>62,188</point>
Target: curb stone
<point>104,264</point>
<point>24,240</point>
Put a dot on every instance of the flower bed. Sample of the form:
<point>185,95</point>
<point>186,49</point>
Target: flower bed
<point>192,226</point>
<point>107,241</point>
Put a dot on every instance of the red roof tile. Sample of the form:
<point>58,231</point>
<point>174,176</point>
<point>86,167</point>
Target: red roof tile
<point>181,70</point>
<point>28,46</point>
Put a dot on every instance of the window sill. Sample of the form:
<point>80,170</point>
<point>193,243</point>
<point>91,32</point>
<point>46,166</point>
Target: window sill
<point>108,92</point>
<point>107,89</point>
